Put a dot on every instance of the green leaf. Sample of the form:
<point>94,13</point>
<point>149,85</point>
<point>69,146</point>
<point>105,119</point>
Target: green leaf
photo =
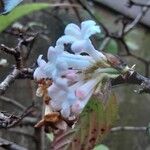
<point>111,110</point>
<point>94,124</point>
<point>112,47</point>
<point>101,147</point>
<point>50,136</point>
<point>20,11</point>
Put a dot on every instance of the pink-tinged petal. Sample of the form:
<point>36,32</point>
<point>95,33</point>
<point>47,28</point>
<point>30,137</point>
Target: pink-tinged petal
<point>86,88</point>
<point>76,108</point>
<point>40,61</point>
<point>73,30</point>
<point>71,75</point>
<point>79,105</point>
<point>80,93</point>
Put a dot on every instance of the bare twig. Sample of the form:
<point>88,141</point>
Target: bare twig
<point>137,19</point>
<point>135,78</point>
<point>8,80</point>
<point>18,71</point>
<point>14,52</point>
<point>9,120</point>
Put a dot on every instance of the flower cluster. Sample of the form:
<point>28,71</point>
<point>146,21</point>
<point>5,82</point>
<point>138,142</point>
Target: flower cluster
<point>68,80</point>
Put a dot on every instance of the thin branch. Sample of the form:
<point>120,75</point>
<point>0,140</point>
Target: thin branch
<point>76,11</point>
<point>31,121</point>
<point>137,19</point>
<point>128,128</point>
<point>11,101</point>
<point>134,3</point>
<point>18,71</point>
<point>9,80</point>
<point>135,78</point>
<point>9,120</point>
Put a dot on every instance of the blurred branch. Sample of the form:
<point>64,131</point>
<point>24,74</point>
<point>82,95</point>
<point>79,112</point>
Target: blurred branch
<point>18,71</point>
<point>138,18</point>
<point>76,11</point>
<point>131,3</point>
<point>11,101</point>
<point>128,128</point>
<point>123,9</point>
<point>9,120</point>
<point>31,121</point>
<point>10,145</point>
<point>128,27</point>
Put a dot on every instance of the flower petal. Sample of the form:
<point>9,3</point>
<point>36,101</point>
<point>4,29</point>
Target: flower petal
<point>39,74</point>
<point>91,31</point>
<point>65,111</point>
<point>79,105</point>
<point>86,88</point>
<point>54,52</point>
<point>78,46</point>
<point>41,62</point>
<point>73,30</point>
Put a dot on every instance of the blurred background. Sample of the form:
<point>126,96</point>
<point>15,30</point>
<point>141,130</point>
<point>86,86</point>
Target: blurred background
<point>50,23</point>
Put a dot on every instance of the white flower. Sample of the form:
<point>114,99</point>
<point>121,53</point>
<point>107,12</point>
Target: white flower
<point>39,73</point>
<point>79,38</point>
<point>75,77</point>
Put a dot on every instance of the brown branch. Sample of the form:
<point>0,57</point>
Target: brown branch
<point>14,52</point>
<point>135,78</point>
<point>9,120</point>
<point>18,71</point>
